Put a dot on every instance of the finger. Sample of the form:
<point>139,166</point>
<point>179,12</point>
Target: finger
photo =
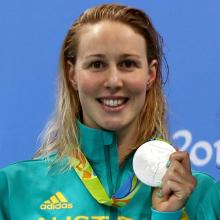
<point>177,167</point>
<point>180,191</point>
<point>182,157</point>
<point>185,184</point>
<point>177,172</point>
<point>188,181</point>
<point>175,176</point>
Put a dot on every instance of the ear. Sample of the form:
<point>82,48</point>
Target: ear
<point>71,74</point>
<point>152,72</point>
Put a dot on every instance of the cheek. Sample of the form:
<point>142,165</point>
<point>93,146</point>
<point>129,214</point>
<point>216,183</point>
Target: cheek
<point>138,81</point>
<point>138,86</point>
<point>86,85</point>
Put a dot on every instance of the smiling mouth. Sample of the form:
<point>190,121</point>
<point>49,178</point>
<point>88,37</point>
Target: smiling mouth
<point>113,103</point>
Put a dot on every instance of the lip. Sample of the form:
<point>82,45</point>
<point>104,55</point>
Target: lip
<point>113,109</point>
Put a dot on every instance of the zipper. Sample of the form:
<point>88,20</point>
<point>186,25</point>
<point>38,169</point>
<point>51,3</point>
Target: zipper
<point>113,212</point>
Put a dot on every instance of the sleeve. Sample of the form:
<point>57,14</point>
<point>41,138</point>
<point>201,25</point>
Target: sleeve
<point>198,196</point>
<point>209,207</point>
<point>156,215</point>
<point>4,197</point>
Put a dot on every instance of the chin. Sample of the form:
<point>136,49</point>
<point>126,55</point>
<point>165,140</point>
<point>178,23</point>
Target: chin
<point>112,126</point>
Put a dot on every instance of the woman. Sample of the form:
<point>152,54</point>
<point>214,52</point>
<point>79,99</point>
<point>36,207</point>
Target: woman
<point>110,102</point>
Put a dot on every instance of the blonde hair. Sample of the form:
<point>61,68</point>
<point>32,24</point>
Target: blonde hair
<point>61,133</point>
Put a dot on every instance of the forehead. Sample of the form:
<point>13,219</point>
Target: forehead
<point>110,36</point>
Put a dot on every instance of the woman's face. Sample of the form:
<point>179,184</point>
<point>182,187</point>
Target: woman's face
<point>111,75</point>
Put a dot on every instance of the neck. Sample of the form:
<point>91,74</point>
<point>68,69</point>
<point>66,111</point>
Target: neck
<point>126,141</point>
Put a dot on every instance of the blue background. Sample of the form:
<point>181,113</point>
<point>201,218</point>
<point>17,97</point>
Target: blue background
<point>31,36</point>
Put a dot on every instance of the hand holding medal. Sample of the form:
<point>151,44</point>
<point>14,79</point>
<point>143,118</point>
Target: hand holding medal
<point>157,164</point>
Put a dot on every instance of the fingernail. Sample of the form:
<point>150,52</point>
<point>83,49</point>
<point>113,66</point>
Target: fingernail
<point>168,164</point>
<point>159,194</point>
<point>180,196</point>
<point>160,184</point>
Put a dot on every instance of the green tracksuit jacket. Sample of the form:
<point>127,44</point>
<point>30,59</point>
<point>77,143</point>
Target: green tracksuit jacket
<point>210,205</point>
<point>33,190</point>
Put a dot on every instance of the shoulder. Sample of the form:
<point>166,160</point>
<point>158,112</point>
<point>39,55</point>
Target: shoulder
<point>216,188</point>
<point>213,194</point>
<point>209,207</point>
<point>25,178</point>
<point>204,182</point>
<point>203,177</point>
<point>16,177</point>
<point>27,168</point>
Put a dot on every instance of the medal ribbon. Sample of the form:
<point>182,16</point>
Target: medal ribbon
<point>123,195</point>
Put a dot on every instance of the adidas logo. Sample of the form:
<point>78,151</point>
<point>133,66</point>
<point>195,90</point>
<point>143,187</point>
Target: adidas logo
<point>57,201</point>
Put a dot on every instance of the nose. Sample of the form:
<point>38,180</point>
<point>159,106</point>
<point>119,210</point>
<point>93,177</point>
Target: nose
<point>113,79</point>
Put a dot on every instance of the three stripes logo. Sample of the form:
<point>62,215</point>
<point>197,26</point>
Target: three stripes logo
<point>57,201</point>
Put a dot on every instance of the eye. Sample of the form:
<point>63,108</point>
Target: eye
<point>97,65</point>
<point>128,64</point>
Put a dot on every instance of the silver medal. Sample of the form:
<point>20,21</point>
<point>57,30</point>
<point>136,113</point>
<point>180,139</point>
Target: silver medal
<point>150,159</point>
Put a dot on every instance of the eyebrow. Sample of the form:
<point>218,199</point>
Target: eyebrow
<point>95,55</point>
<point>125,55</point>
<point>130,55</point>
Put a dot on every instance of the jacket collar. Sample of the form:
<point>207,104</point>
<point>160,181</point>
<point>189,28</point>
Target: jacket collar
<point>94,141</point>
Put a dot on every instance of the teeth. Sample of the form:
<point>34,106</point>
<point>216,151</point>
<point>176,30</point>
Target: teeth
<point>112,102</point>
